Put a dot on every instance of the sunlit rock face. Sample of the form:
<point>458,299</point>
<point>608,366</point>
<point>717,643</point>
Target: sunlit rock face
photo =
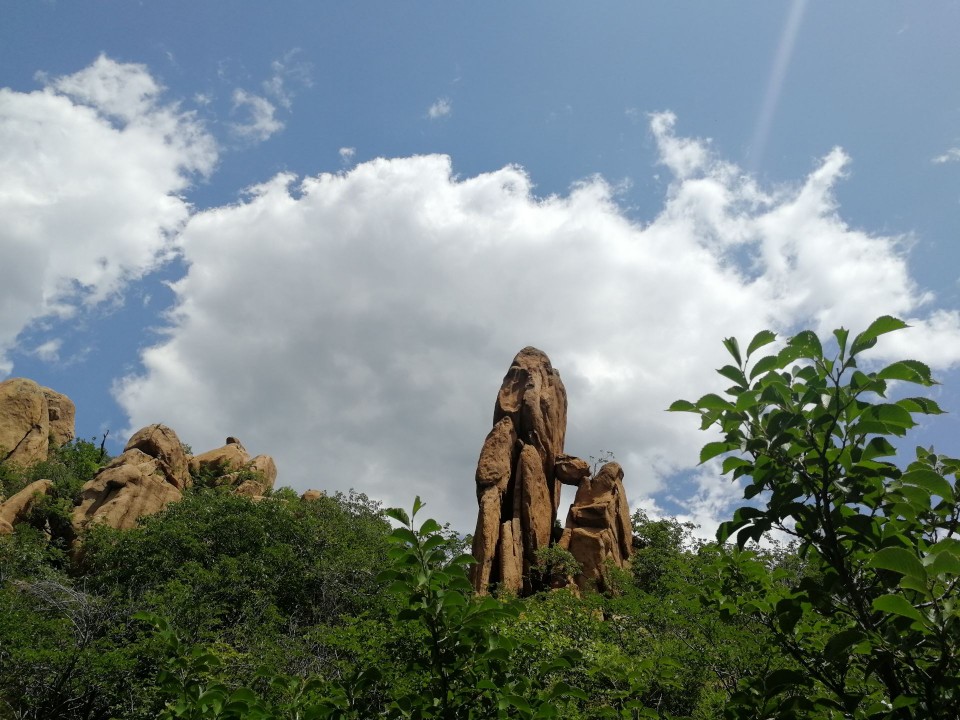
<point>521,468</point>
<point>31,418</point>
<point>151,472</point>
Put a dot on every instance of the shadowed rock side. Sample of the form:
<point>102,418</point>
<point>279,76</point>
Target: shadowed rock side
<point>598,528</point>
<point>517,490</point>
<point>31,418</point>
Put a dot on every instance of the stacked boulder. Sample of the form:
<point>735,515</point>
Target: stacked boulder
<point>520,472</point>
<point>598,529</point>
<point>517,489</point>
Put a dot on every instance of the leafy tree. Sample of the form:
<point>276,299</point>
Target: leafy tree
<point>872,622</point>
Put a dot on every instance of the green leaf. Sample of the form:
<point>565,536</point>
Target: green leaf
<point>908,370</point>
<point>430,526</point>
<point>868,338</point>
<point>711,450</point>
<point>889,414</point>
<point>765,364</point>
<point>733,347</point>
<point>897,605</point>
<point>398,514</point>
<point>920,405</point>
<point>682,406</point>
<point>733,462</point>
<point>733,373</point>
<point>840,643</point>
<point>841,335</point>
<point>899,560</point>
<point>764,337</point>
<point>931,481</point>
<point>710,401</point>
<point>943,563</point>
<point>808,344</point>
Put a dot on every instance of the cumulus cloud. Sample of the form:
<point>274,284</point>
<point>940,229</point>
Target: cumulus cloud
<point>347,154</point>
<point>440,109</point>
<point>261,116</point>
<point>357,325</point>
<point>91,177</point>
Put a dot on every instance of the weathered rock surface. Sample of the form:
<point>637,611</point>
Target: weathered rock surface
<point>310,495</point>
<point>31,417</point>
<point>232,465</point>
<point>598,528</point>
<point>17,507</point>
<point>150,473</point>
<point>517,490</point>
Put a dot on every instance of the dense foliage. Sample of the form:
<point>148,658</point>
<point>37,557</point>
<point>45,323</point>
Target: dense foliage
<point>224,607</point>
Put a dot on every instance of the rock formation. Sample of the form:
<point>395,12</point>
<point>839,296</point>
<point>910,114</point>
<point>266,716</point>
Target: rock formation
<point>598,528</point>
<point>31,417</point>
<point>150,473</point>
<point>17,508</point>
<point>517,489</point>
<point>519,475</point>
<point>232,465</point>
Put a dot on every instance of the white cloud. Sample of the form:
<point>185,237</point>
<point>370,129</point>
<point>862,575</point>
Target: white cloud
<point>91,176</point>
<point>261,120</point>
<point>48,351</point>
<point>347,154</point>
<point>951,155</point>
<point>440,109</point>
<point>357,326</point>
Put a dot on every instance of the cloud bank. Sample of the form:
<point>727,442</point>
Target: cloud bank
<point>91,177</point>
<point>357,325</point>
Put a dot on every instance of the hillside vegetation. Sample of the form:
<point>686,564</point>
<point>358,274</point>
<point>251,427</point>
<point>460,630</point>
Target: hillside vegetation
<point>221,606</point>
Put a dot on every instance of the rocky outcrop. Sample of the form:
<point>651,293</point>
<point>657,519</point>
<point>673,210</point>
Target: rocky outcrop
<point>232,465</point>
<point>31,417</point>
<point>150,473</point>
<point>520,472</point>
<point>17,508</point>
<point>517,488</point>
<point>598,530</point>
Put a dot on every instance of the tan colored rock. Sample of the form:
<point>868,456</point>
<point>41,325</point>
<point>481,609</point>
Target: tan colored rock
<point>571,470</point>
<point>61,413</point>
<point>24,422</point>
<point>267,468</point>
<point>598,527</point>
<point>149,474</point>
<point>231,465</point>
<point>130,487</point>
<point>17,507</point>
<point>311,495</point>
<point>517,490</point>
<point>160,442</point>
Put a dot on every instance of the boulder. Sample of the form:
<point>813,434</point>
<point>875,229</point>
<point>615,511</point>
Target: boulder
<point>518,491</point>
<point>149,474</point>
<point>311,495</point>
<point>598,529</point>
<point>17,508</point>
<point>160,442</point>
<point>232,465</point>
<point>30,417</point>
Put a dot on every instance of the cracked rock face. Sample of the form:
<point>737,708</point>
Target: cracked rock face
<point>31,417</point>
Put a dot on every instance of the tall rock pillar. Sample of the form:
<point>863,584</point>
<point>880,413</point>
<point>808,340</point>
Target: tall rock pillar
<point>517,488</point>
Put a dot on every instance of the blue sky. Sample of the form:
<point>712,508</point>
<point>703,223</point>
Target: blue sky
<point>439,184</point>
